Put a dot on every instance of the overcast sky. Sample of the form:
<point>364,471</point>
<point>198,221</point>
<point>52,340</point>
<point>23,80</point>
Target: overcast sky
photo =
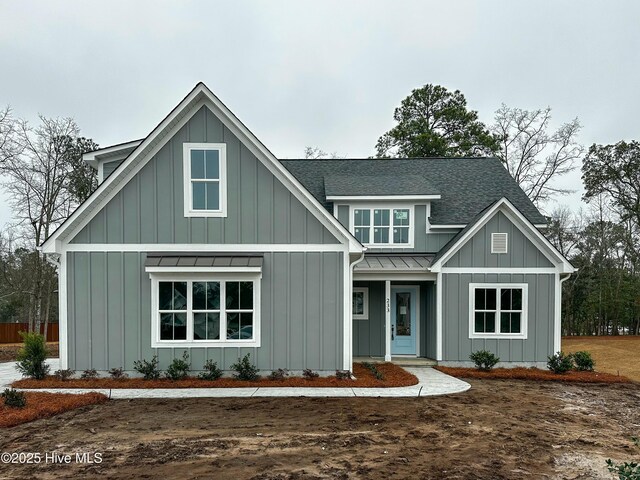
<point>323,73</point>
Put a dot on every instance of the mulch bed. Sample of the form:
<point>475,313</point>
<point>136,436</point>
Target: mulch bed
<point>43,405</point>
<point>534,374</point>
<point>394,376</point>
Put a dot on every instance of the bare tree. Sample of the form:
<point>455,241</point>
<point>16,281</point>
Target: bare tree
<point>9,148</point>
<point>316,153</point>
<point>37,184</point>
<point>533,155</point>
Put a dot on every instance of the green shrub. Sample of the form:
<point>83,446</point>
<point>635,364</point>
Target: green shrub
<point>211,371</point>
<point>63,374</point>
<point>179,368</point>
<point>279,374</point>
<point>626,470</point>
<point>89,374</point>
<point>374,370</point>
<point>310,374</point>
<point>245,370</point>
<point>149,370</point>
<point>484,360</point>
<point>560,363</point>
<point>32,356</point>
<point>14,398</point>
<point>583,361</point>
<point>118,373</point>
<point>343,374</point>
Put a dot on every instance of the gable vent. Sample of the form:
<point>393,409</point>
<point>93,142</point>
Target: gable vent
<point>498,243</point>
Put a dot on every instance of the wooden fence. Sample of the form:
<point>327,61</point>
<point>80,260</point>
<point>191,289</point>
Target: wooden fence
<point>9,332</point>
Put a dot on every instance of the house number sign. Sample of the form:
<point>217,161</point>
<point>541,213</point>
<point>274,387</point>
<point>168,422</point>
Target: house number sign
<point>388,304</point>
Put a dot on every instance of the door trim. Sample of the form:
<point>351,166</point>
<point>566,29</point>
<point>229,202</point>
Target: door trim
<point>417,287</point>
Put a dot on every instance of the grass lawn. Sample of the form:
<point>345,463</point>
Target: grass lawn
<point>616,355</point>
<point>500,429</point>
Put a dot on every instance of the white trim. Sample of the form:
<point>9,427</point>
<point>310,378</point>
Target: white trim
<point>380,198</point>
<point>189,343</point>
<point>195,269</point>
<point>198,97</point>
<point>417,287</point>
<point>428,214</point>
<point>439,345</point>
<point>187,186</point>
<point>387,321</point>
<point>451,226</point>
<point>100,172</point>
<point>391,207</point>
<point>203,247</point>
<point>92,157</point>
<point>524,315</point>
<point>527,229</point>
<point>63,339</point>
<point>495,237</point>
<point>557,313</point>
<point>513,271</point>
<point>347,302</point>
<point>372,277</point>
<point>365,303</point>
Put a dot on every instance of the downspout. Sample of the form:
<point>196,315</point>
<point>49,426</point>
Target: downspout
<point>349,310</point>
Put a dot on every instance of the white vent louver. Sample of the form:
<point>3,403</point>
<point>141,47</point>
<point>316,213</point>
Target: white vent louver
<point>498,243</point>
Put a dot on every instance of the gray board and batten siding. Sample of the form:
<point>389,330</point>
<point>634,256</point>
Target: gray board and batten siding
<point>109,293</point>
<point>424,242</point>
<point>520,253</point>
<point>149,209</point>
<point>476,253</point>
<point>536,347</point>
<point>301,316</point>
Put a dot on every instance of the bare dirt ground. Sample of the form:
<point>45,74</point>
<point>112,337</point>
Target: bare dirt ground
<point>500,429</point>
<point>8,351</point>
<point>618,355</point>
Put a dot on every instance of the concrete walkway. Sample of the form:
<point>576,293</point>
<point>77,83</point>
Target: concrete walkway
<point>431,383</point>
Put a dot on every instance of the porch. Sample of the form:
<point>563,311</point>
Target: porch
<point>394,310</point>
<point>400,361</point>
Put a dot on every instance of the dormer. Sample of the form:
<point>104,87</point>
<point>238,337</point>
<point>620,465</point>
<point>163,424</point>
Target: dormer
<point>381,209</point>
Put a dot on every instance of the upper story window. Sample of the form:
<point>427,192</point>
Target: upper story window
<point>383,226</point>
<point>205,180</point>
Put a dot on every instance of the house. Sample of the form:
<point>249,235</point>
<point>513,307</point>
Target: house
<point>198,238</point>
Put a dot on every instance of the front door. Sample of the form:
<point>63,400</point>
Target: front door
<point>403,320</point>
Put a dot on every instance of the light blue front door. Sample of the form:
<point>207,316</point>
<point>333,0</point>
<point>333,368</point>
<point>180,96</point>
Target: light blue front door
<point>403,320</point>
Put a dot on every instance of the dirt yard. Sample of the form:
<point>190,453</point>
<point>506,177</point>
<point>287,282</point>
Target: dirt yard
<point>617,355</point>
<point>500,429</point>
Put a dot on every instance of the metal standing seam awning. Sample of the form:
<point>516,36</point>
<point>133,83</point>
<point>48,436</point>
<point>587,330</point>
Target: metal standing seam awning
<point>394,263</point>
<point>202,262</point>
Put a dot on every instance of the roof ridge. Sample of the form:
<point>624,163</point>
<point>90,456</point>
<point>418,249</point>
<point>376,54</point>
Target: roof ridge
<point>382,159</point>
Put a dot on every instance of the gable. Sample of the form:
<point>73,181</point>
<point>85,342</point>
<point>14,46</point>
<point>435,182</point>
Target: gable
<point>150,207</point>
<point>476,252</point>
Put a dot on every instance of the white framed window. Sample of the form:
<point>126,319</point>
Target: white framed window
<point>205,179</point>
<point>499,242</point>
<point>383,226</point>
<point>360,310</point>
<point>498,310</point>
<point>205,310</point>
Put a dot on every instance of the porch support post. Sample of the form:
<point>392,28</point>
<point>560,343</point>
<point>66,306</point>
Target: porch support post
<point>387,321</point>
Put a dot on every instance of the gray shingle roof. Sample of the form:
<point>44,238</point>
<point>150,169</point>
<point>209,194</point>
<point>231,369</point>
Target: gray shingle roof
<point>349,184</point>
<point>467,185</point>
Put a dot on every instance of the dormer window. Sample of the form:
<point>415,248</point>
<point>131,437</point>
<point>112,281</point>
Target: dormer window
<point>382,226</point>
<point>205,180</point>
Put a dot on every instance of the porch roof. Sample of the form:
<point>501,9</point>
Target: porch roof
<point>394,262</point>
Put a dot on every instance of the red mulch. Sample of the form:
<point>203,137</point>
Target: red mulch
<point>43,405</point>
<point>394,376</point>
<point>534,374</point>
